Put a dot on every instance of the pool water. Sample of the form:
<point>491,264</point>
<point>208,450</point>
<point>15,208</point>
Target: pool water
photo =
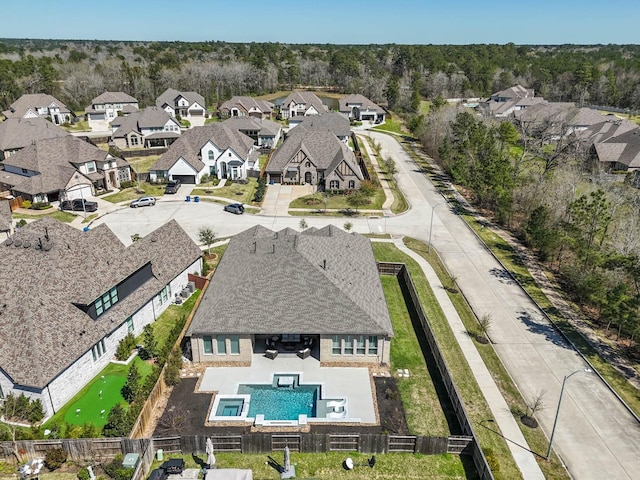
<point>229,407</point>
<point>281,403</point>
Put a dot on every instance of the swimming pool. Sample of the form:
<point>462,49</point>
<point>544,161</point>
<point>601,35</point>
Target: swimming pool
<point>281,402</point>
<point>229,407</point>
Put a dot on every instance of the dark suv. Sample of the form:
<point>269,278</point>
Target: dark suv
<point>172,186</point>
<point>79,205</point>
<point>236,208</point>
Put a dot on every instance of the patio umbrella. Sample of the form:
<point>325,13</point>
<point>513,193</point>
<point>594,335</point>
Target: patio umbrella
<point>211,458</point>
<point>287,458</point>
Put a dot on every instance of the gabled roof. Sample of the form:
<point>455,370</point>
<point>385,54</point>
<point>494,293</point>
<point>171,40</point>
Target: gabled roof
<point>150,117</point>
<point>322,148</point>
<point>310,99</point>
<point>17,133</point>
<point>170,97</point>
<point>347,103</point>
<point>331,122</point>
<point>516,91</point>
<point>315,282</point>
<point>33,101</point>
<point>188,146</point>
<point>246,103</point>
<point>264,127</point>
<point>623,149</point>
<point>113,97</point>
<point>44,331</point>
<point>602,131</point>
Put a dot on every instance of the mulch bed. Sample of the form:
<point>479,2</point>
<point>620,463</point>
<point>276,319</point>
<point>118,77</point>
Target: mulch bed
<point>186,412</point>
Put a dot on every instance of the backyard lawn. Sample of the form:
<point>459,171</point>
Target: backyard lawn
<point>142,164</point>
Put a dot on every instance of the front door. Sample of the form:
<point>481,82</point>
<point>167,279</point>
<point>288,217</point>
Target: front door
<point>224,170</point>
<point>307,177</point>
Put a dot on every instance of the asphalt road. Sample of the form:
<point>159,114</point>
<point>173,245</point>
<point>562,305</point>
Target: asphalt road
<point>596,436</point>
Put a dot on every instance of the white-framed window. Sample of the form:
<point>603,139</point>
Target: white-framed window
<point>130,326</point>
<point>334,184</point>
<point>221,345</point>
<point>352,184</point>
<point>134,141</point>
<point>1,394</point>
<point>164,295</point>
<point>348,345</point>
<point>212,155</point>
<point>336,347</point>
<point>98,350</point>
<point>360,345</point>
<point>234,345</point>
<point>91,167</point>
<point>207,347</point>
<point>106,301</point>
<point>373,345</point>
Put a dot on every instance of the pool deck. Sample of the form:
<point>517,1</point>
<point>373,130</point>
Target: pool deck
<point>353,383</point>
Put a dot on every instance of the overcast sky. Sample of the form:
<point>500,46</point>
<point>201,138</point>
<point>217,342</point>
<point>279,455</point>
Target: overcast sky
<point>327,21</point>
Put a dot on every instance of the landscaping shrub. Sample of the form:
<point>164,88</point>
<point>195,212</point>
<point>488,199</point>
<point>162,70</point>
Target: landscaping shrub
<point>115,470</point>
<point>260,191</point>
<point>54,458</point>
<point>118,424</point>
<point>125,346</point>
<point>26,204</point>
<point>127,184</point>
<point>149,343</point>
<point>21,223</point>
<point>41,206</point>
<point>131,387</point>
<point>22,409</point>
<point>172,370</point>
<point>83,474</point>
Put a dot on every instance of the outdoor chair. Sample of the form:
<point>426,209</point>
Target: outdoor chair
<point>272,354</point>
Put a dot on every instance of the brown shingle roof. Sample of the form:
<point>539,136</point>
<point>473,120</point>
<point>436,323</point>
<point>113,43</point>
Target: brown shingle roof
<point>33,101</point>
<point>317,282</point>
<point>42,331</point>
<point>17,133</point>
<point>170,96</point>
<point>113,97</point>
<point>245,103</point>
<point>150,117</point>
<point>347,103</point>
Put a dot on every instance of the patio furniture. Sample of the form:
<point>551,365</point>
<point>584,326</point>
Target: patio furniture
<point>304,353</point>
<point>272,354</point>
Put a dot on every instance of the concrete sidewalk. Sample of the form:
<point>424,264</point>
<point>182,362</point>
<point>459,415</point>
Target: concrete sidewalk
<point>516,442</point>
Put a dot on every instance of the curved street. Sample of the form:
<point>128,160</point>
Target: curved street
<point>596,436</point>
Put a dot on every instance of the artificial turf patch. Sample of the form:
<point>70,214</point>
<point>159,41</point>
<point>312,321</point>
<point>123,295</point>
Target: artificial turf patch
<point>102,396</point>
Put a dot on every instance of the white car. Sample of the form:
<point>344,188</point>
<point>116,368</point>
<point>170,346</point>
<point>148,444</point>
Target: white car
<point>143,202</point>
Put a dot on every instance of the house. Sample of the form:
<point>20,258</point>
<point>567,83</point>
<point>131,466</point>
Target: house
<point>106,107</point>
<point>214,149</point>
<point>331,122</point>
<point>42,105</point>
<point>243,106</point>
<point>287,290</point>
<point>62,168</point>
<point>557,119</point>
<point>17,133</point>
<point>70,296</point>
<point>187,105</point>
<point>504,103</point>
<point>360,108</point>
<point>148,128</point>
<point>317,157</point>
<point>620,152</point>
<point>301,104</point>
<point>265,133</point>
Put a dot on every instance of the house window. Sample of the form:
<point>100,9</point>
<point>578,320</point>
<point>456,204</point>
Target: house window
<point>91,167</point>
<point>1,394</point>
<point>134,141</point>
<point>98,350</point>
<point>229,154</point>
<point>164,294</point>
<point>234,345</point>
<point>334,184</point>
<point>221,345</point>
<point>348,345</point>
<point>335,349</point>
<point>352,184</point>
<point>130,327</point>
<point>212,155</point>
<point>308,164</point>
<point>106,301</point>
<point>373,345</point>
<point>208,345</point>
<point>360,346</point>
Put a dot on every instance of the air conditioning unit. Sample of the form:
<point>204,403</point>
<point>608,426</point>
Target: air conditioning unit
<point>191,286</point>
<point>185,292</point>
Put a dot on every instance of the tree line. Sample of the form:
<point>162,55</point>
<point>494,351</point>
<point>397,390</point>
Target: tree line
<point>398,75</point>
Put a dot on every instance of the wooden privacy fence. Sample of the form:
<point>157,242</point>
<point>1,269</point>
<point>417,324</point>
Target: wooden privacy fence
<point>413,305</point>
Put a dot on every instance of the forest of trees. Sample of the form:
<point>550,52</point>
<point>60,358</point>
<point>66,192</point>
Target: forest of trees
<point>77,71</point>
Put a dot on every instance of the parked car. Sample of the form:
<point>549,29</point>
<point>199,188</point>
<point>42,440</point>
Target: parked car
<point>236,208</point>
<point>79,205</point>
<point>143,202</point>
<point>172,186</point>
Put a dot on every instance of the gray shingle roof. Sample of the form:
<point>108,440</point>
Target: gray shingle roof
<point>264,127</point>
<point>33,100</point>
<point>42,331</point>
<point>5,216</point>
<point>332,122</point>
<point>623,149</point>
<point>113,97</point>
<point>356,99</point>
<point>150,117</point>
<point>316,282</point>
<point>170,96</point>
<point>308,98</point>
<point>17,133</point>
<point>321,147</point>
<point>245,103</point>
<point>189,144</point>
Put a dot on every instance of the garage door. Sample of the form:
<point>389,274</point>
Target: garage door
<point>196,113</point>
<point>78,191</point>
<point>187,179</point>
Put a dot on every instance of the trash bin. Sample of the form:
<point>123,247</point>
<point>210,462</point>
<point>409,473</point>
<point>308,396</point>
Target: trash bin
<point>160,455</point>
<point>85,229</point>
<point>196,199</point>
<point>272,182</point>
<point>188,199</point>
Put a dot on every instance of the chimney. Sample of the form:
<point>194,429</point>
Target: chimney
<point>253,248</point>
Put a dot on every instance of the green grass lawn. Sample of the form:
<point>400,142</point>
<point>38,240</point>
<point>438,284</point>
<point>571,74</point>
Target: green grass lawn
<point>129,194</point>
<point>59,215</point>
<point>89,400</point>
<point>393,466</point>
<point>236,192</point>
<point>392,124</point>
<point>142,164</point>
<point>336,201</point>
<point>170,316</point>
<point>425,107</point>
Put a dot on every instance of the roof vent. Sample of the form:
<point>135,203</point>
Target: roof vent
<point>253,247</point>
<point>26,244</point>
<point>8,241</point>
<point>47,246</point>
<point>154,239</point>
<point>17,242</point>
